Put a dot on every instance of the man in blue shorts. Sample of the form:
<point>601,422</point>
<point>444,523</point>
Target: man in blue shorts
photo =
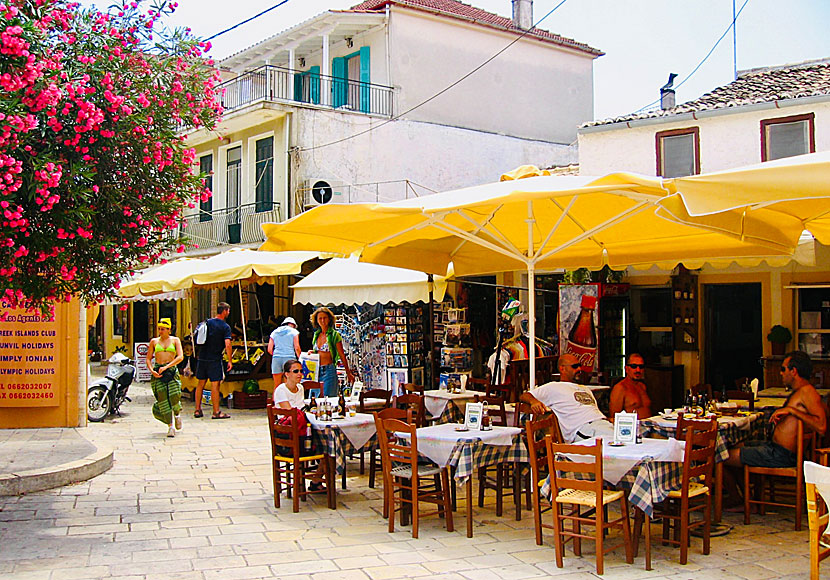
<point>210,367</point>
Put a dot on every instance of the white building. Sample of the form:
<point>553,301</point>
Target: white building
<point>344,99</point>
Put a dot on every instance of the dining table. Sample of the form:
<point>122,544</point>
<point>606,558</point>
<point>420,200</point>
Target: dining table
<point>341,437</point>
<point>447,407</point>
<point>449,445</point>
<point>732,430</point>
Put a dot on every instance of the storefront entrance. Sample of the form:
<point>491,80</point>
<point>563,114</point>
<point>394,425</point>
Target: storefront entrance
<point>733,333</point>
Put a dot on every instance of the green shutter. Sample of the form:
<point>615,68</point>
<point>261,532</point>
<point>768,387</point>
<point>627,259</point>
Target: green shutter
<point>340,72</point>
<point>314,79</point>
<point>365,79</point>
<point>298,86</point>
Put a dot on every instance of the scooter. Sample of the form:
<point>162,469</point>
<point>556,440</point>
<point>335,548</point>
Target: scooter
<point>105,395</point>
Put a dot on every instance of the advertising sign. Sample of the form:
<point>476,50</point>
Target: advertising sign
<point>30,359</point>
<point>577,324</point>
<point>143,374</point>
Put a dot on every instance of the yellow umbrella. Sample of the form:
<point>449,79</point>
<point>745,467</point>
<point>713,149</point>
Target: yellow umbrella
<point>537,222</point>
<point>232,267</point>
<point>776,200</point>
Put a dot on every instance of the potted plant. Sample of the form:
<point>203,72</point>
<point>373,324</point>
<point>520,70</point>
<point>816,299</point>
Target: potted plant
<point>779,336</point>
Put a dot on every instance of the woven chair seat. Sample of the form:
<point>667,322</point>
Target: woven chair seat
<point>587,498</point>
<point>405,471</point>
<point>304,458</point>
<point>695,489</point>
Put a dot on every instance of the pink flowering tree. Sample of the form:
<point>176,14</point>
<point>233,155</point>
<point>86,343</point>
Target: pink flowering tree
<point>94,170</point>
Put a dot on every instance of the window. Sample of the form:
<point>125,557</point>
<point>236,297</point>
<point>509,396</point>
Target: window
<point>787,136</point>
<point>352,77</point>
<point>814,321</point>
<point>206,169</point>
<point>678,152</point>
<point>233,177</point>
<point>264,174</point>
<point>118,320</point>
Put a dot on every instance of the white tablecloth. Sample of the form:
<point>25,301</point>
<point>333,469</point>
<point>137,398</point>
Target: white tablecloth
<point>436,401</point>
<point>739,421</point>
<point>358,429</point>
<point>617,461</point>
<point>438,441</point>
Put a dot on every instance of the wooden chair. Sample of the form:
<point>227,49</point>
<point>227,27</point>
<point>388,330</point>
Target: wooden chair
<point>375,463</point>
<point>742,396</point>
<point>804,447</point>
<point>414,403</point>
<point>701,389</point>
<point>695,493</point>
<point>309,386</point>
<point>413,388</point>
<point>480,385</point>
<point>817,487</point>
<point>405,480</point>
<point>362,408</point>
<point>586,491</point>
<point>538,430</point>
<point>290,467</point>
<point>504,472</point>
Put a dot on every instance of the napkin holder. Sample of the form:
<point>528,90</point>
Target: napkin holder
<point>625,428</point>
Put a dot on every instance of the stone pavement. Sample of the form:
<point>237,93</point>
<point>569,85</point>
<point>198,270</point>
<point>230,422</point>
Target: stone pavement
<point>200,506</point>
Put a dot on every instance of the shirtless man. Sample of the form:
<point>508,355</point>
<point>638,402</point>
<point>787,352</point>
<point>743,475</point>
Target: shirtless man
<point>574,405</point>
<point>803,404</point>
<point>630,394</point>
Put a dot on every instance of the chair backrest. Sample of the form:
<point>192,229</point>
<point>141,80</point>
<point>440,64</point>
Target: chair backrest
<point>522,411</point>
<point>283,436</point>
<point>311,387</point>
<point>394,413</point>
<point>413,388</point>
<point>700,389</point>
<point>699,457</point>
<point>504,391</point>
<point>480,385</point>
<point>742,396</point>
<point>392,449</point>
<point>583,474</point>
<point>495,408</point>
<point>538,431</point>
<point>374,394</point>
<point>415,404</point>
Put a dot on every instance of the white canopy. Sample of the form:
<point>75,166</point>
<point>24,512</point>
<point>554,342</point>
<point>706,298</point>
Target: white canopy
<point>347,281</point>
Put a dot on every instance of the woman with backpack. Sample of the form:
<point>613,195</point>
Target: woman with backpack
<point>163,355</point>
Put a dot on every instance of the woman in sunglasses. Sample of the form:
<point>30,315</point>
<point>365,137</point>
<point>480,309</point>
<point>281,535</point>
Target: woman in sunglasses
<point>290,394</point>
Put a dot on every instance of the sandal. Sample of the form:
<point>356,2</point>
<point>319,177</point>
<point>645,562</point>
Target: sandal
<point>316,486</point>
<point>220,416</point>
<point>197,414</point>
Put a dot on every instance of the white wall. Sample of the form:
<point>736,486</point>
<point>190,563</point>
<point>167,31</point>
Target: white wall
<point>533,90</point>
<point>435,156</point>
<point>726,141</point>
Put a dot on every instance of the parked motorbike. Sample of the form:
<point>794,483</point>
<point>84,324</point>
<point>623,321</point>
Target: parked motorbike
<point>105,395</point>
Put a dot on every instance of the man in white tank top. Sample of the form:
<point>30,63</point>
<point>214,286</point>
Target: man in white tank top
<point>574,405</point>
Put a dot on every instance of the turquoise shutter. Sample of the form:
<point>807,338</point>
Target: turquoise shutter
<point>339,87</point>
<point>314,79</point>
<point>298,86</point>
<point>365,79</point>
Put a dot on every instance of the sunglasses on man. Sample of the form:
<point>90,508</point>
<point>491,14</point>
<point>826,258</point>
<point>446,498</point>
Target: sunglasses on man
<point>574,366</point>
<point>637,366</point>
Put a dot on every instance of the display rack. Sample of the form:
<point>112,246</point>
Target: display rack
<point>456,356</point>
<point>684,310</point>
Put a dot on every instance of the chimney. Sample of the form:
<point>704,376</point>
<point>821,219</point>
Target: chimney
<point>667,93</point>
<point>523,14</point>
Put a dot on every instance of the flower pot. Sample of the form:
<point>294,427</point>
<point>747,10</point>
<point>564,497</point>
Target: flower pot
<point>778,348</point>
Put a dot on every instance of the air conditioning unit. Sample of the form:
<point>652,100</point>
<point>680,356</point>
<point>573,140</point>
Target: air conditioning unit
<point>321,191</point>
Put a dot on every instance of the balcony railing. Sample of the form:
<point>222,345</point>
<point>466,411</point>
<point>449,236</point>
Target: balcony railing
<point>270,83</point>
<point>237,225</point>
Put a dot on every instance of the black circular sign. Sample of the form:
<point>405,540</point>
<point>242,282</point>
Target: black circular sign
<point>321,192</point>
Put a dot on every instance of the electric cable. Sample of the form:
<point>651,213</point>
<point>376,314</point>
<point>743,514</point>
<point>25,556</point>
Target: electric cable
<point>254,17</point>
<point>705,58</point>
<point>442,91</point>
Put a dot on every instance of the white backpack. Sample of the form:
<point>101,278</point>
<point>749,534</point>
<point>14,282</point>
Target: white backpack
<point>201,333</point>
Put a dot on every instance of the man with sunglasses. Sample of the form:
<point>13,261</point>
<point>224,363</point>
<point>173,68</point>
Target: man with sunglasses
<point>574,405</point>
<point>630,394</point>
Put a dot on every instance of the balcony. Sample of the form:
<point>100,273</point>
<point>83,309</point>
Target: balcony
<point>238,225</point>
<point>270,83</point>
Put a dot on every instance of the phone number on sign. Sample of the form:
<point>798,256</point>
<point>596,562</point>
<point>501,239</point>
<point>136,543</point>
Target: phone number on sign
<point>48,395</point>
<point>25,387</point>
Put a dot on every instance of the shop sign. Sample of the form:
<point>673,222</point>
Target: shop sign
<point>31,356</point>
<point>143,374</point>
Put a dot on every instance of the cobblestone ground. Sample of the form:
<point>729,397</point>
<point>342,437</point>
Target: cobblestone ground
<point>200,506</point>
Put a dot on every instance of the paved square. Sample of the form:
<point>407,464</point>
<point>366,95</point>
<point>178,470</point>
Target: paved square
<point>200,506</point>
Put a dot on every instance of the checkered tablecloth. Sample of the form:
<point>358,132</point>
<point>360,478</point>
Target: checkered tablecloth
<point>450,414</point>
<point>648,482</point>
<point>333,442</point>
<point>729,433</point>
<point>467,456</point>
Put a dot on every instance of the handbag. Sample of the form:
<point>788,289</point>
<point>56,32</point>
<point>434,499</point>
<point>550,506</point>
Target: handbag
<point>168,375</point>
<point>300,419</point>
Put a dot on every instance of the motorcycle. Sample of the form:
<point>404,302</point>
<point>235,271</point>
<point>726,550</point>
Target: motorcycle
<point>105,395</point>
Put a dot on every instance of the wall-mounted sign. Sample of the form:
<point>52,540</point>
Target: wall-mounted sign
<point>30,359</point>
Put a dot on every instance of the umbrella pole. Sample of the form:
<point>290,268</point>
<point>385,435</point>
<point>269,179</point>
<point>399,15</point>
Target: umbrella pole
<point>430,358</point>
<point>244,322</point>
<point>531,322</point>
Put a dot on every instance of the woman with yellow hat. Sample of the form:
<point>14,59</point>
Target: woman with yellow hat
<point>163,354</point>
